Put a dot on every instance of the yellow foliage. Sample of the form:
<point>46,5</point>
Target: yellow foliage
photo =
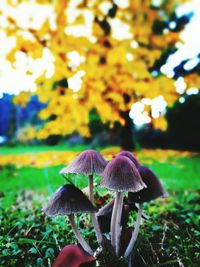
<point>53,158</point>
<point>160,123</point>
<point>26,134</point>
<point>114,69</point>
<point>21,99</point>
<point>192,80</point>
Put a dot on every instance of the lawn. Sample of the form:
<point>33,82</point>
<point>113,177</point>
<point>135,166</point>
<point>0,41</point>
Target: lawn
<point>38,167</point>
<point>29,175</point>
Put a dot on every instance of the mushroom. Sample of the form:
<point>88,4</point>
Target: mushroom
<point>87,163</point>
<point>69,200</point>
<point>105,213</point>
<point>129,155</point>
<point>72,256</point>
<point>153,190</point>
<point>120,175</point>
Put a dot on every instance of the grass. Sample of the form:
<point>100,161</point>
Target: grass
<point>22,149</point>
<point>181,175</point>
<point>177,176</point>
<point>169,238</point>
<point>28,238</point>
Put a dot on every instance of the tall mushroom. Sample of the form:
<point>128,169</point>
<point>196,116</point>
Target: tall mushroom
<point>120,175</point>
<point>69,200</point>
<point>129,155</point>
<point>153,190</point>
<point>88,163</point>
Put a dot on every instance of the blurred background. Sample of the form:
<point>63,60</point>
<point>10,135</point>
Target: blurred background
<point>102,73</point>
<point>108,75</point>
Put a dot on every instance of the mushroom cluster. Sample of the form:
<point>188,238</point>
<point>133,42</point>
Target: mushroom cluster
<point>132,185</point>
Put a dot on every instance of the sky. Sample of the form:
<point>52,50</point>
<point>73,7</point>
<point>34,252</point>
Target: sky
<point>189,49</point>
<point>190,37</point>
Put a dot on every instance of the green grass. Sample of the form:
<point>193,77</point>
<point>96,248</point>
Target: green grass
<point>29,178</point>
<point>183,175</point>
<point>170,236</point>
<point>21,149</point>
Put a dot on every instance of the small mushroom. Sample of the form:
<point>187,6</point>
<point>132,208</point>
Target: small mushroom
<point>120,175</point>
<point>129,155</point>
<point>69,200</point>
<point>88,163</point>
<point>105,213</point>
<point>153,190</point>
<point>72,256</point>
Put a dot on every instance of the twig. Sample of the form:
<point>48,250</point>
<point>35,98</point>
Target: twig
<point>142,258</point>
<point>164,235</point>
<point>37,249</point>
<point>49,262</point>
<point>56,240</point>
<point>154,252</point>
<point>179,260</point>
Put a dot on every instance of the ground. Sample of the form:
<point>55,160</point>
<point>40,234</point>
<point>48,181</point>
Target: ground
<point>29,175</point>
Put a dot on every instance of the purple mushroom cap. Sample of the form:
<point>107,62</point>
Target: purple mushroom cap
<point>67,200</point>
<point>88,162</point>
<point>105,213</point>
<point>121,175</point>
<point>153,190</point>
<point>129,155</point>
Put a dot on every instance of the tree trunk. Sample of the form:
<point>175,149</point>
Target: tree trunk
<point>127,132</point>
<point>12,124</point>
<point>18,119</point>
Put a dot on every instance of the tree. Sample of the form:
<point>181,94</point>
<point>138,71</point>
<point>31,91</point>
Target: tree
<point>101,55</point>
<point>184,128</point>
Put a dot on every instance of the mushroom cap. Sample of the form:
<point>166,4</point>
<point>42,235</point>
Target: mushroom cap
<point>122,175</point>
<point>105,213</point>
<point>106,210</point>
<point>153,190</point>
<point>67,200</point>
<point>72,256</point>
<point>88,162</point>
<point>129,155</point>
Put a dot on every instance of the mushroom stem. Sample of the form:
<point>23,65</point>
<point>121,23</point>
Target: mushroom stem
<point>135,232</point>
<point>78,235</point>
<point>130,261</point>
<point>93,215</point>
<point>113,219</point>
<point>97,228</point>
<point>118,222</point>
